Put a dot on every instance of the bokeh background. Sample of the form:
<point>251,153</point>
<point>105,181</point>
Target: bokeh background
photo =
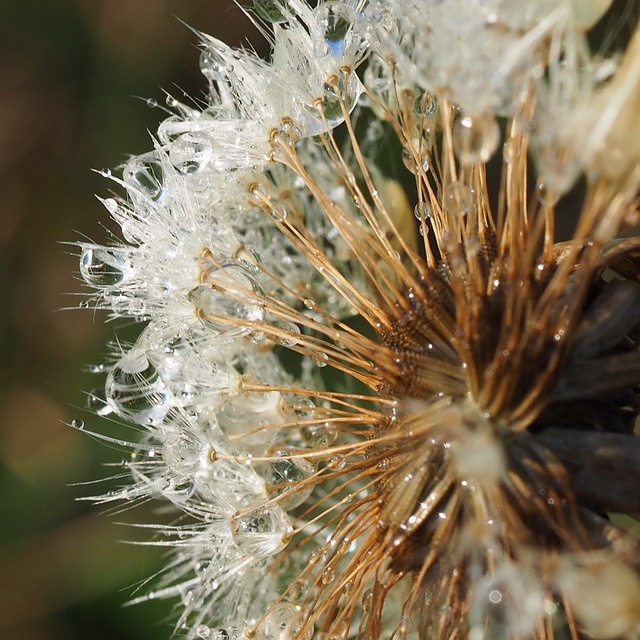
<point>70,71</point>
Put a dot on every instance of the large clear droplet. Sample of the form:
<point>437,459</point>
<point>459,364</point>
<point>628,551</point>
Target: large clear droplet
<point>327,111</point>
<point>285,477</point>
<point>262,532</point>
<point>274,11</point>
<point>191,152</point>
<point>103,267</point>
<point>134,390</point>
<point>457,198</point>
<point>283,622</point>
<point>347,91</point>
<point>291,335</point>
<point>337,21</point>
<point>475,139</point>
<point>229,295</point>
<point>145,176</point>
<point>252,418</point>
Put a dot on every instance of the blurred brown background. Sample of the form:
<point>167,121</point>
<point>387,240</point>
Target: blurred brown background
<point>69,71</point>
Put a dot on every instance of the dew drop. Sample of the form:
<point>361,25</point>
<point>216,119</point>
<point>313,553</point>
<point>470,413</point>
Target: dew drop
<point>367,600</point>
<point>263,531</point>
<point>254,417</point>
<point>328,576</point>
<point>457,198</point>
<point>274,11</point>
<point>202,631</point>
<point>303,408</point>
<point>145,176</point>
<point>84,304</point>
<point>337,21</point>
<point>97,401</point>
<point>77,424</point>
<point>320,435</point>
<point>281,623</point>
<point>285,477</point>
<point>228,296</point>
<point>409,160</point>
<point>377,77</point>
<point>337,462</point>
<point>110,204</point>
<point>320,359</point>
<point>422,211</point>
<point>475,139</point>
<point>102,267</point>
<point>211,66</point>
<point>152,103</point>
<point>425,104</point>
<point>133,389</point>
<point>191,152</point>
<point>292,332</point>
<point>327,111</point>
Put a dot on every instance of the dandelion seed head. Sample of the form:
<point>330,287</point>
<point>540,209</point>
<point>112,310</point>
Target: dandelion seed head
<point>377,392</point>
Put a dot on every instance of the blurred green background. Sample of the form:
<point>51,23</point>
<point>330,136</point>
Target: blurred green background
<point>69,71</point>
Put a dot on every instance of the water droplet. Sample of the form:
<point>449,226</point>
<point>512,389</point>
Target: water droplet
<point>211,66</point>
<point>347,91</point>
<point>285,477</point>
<point>317,556</point>
<point>133,389</point>
<point>377,77</point>
<point>144,175</point>
<point>254,417</point>
<point>274,11</point>
<point>320,359</point>
<point>303,408</point>
<point>367,600</point>
<point>422,211</point>
<point>457,198</point>
<point>337,21</point>
<point>263,531</point>
<point>97,402</point>
<point>327,111</point>
<point>409,159</point>
<point>84,304</point>
<point>102,267</point>
<point>191,152</point>
<point>328,576</point>
<point>283,622</point>
<point>228,296</point>
<point>105,173</point>
<point>425,104</point>
<point>152,103</point>
<point>337,462</point>
<point>292,332</point>
<point>202,631</point>
<point>475,139</point>
<point>546,195</point>
<point>511,150</point>
<point>320,435</point>
<point>77,423</point>
<point>278,212</point>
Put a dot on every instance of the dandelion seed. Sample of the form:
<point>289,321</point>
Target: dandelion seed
<point>381,411</point>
